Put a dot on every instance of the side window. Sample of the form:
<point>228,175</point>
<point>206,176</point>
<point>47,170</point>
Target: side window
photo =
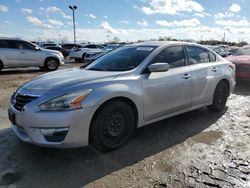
<point>13,44</point>
<point>8,44</point>
<point>27,45</point>
<point>174,56</point>
<point>24,45</point>
<point>4,44</point>
<point>100,46</point>
<point>90,46</point>
<point>197,55</point>
<point>212,57</point>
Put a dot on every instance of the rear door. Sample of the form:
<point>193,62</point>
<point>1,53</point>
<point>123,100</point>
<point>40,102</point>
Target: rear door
<point>167,92</point>
<point>205,73</point>
<point>9,52</point>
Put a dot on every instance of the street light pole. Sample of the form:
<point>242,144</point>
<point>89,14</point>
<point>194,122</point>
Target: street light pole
<point>73,8</point>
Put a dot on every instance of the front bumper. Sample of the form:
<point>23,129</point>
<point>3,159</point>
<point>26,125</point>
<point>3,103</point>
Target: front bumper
<point>35,127</point>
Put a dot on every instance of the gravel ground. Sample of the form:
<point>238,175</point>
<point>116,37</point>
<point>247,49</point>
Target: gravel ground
<point>196,149</point>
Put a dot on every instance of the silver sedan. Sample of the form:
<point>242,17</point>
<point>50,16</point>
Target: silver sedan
<point>128,88</point>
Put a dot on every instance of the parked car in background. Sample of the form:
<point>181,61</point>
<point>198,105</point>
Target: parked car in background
<point>222,50</point>
<point>44,45</point>
<point>241,59</point>
<point>15,53</point>
<point>93,55</point>
<point>127,88</point>
<point>78,53</point>
<point>69,46</point>
<point>59,49</point>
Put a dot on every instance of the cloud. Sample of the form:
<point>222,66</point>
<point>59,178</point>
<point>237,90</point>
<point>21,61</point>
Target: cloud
<point>124,22</point>
<point>3,8</point>
<point>55,22</point>
<point>241,23</point>
<point>235,8</point>
<point>106,26</point>
<point>182,23</point>
<point>26,11</point>
<point>143,23</point>
<point>53,9</point>
<point>171,7</point>
<point>202,14</point>
<point>37,22</point>
<point>91,16</point>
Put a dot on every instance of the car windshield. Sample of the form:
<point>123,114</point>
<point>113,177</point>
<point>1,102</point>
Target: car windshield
<point>242,51</point>
<point>124,59</point>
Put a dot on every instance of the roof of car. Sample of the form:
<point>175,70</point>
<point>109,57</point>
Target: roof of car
<point>162,43</point>
<point>9,38</point>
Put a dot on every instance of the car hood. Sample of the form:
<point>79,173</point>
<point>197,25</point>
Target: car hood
<point>239,58</point>
<point>49,51</point>
<point>64,79</point>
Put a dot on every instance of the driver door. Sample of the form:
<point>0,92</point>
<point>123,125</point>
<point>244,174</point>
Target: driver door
<point>28,55</point>
<point>167,92</point>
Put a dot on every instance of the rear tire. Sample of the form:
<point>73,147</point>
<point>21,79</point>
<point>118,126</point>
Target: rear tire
<point>51,64</point>
<point>112,126</point>
<point>221,94</point>
<point>1,66</point>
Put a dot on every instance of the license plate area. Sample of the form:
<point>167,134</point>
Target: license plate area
<point>12,117</point>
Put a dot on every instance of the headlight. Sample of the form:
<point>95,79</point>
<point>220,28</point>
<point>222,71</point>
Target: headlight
<point>65,102</point>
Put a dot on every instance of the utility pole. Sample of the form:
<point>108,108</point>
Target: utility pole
<point>73,8</point>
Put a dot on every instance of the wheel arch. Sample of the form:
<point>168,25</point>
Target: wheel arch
<point>118,98</point>
<point>52,57</point>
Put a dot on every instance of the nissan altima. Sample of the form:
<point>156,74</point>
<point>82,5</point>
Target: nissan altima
<point>127,88</point>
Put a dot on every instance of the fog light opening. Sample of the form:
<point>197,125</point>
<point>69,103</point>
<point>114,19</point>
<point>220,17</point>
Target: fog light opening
<point>55,134</point>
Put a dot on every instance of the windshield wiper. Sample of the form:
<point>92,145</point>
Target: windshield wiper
<point>97,69</point>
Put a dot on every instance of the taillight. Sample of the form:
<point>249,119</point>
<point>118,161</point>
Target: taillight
<point>232,66</point>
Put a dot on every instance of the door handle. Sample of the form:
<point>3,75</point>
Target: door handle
<point>186,76</point>
<point>214,69</point>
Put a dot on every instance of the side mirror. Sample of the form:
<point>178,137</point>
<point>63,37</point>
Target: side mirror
<point>37,48</point>
<point>158,67</point>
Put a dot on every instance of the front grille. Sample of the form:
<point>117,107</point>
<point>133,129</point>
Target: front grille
<point>19,101</point>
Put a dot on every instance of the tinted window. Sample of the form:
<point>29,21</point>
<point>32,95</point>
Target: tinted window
<point>90,46</point>
<point>123,59</point>
<point>100,46</point>
<point>4,44</point>
<point>25,45</point>
<point>174,56</point>
<point>8,44</point>
<point>197,55</point>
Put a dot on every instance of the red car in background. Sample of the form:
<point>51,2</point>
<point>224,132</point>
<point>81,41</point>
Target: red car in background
<point>241,59</point>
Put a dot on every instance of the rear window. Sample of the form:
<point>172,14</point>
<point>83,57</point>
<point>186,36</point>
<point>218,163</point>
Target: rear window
<point>8,44</point>
<point>197,55</point>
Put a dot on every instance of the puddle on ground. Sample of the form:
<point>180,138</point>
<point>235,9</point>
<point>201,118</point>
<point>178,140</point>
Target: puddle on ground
<point>207,137</point>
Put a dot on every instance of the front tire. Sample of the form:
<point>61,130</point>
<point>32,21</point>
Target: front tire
<point>112,126</point>
<point>51,64</point>
<point>220,97</point>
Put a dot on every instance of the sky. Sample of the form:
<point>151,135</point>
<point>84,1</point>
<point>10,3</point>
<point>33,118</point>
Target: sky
<point>129,20</point>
